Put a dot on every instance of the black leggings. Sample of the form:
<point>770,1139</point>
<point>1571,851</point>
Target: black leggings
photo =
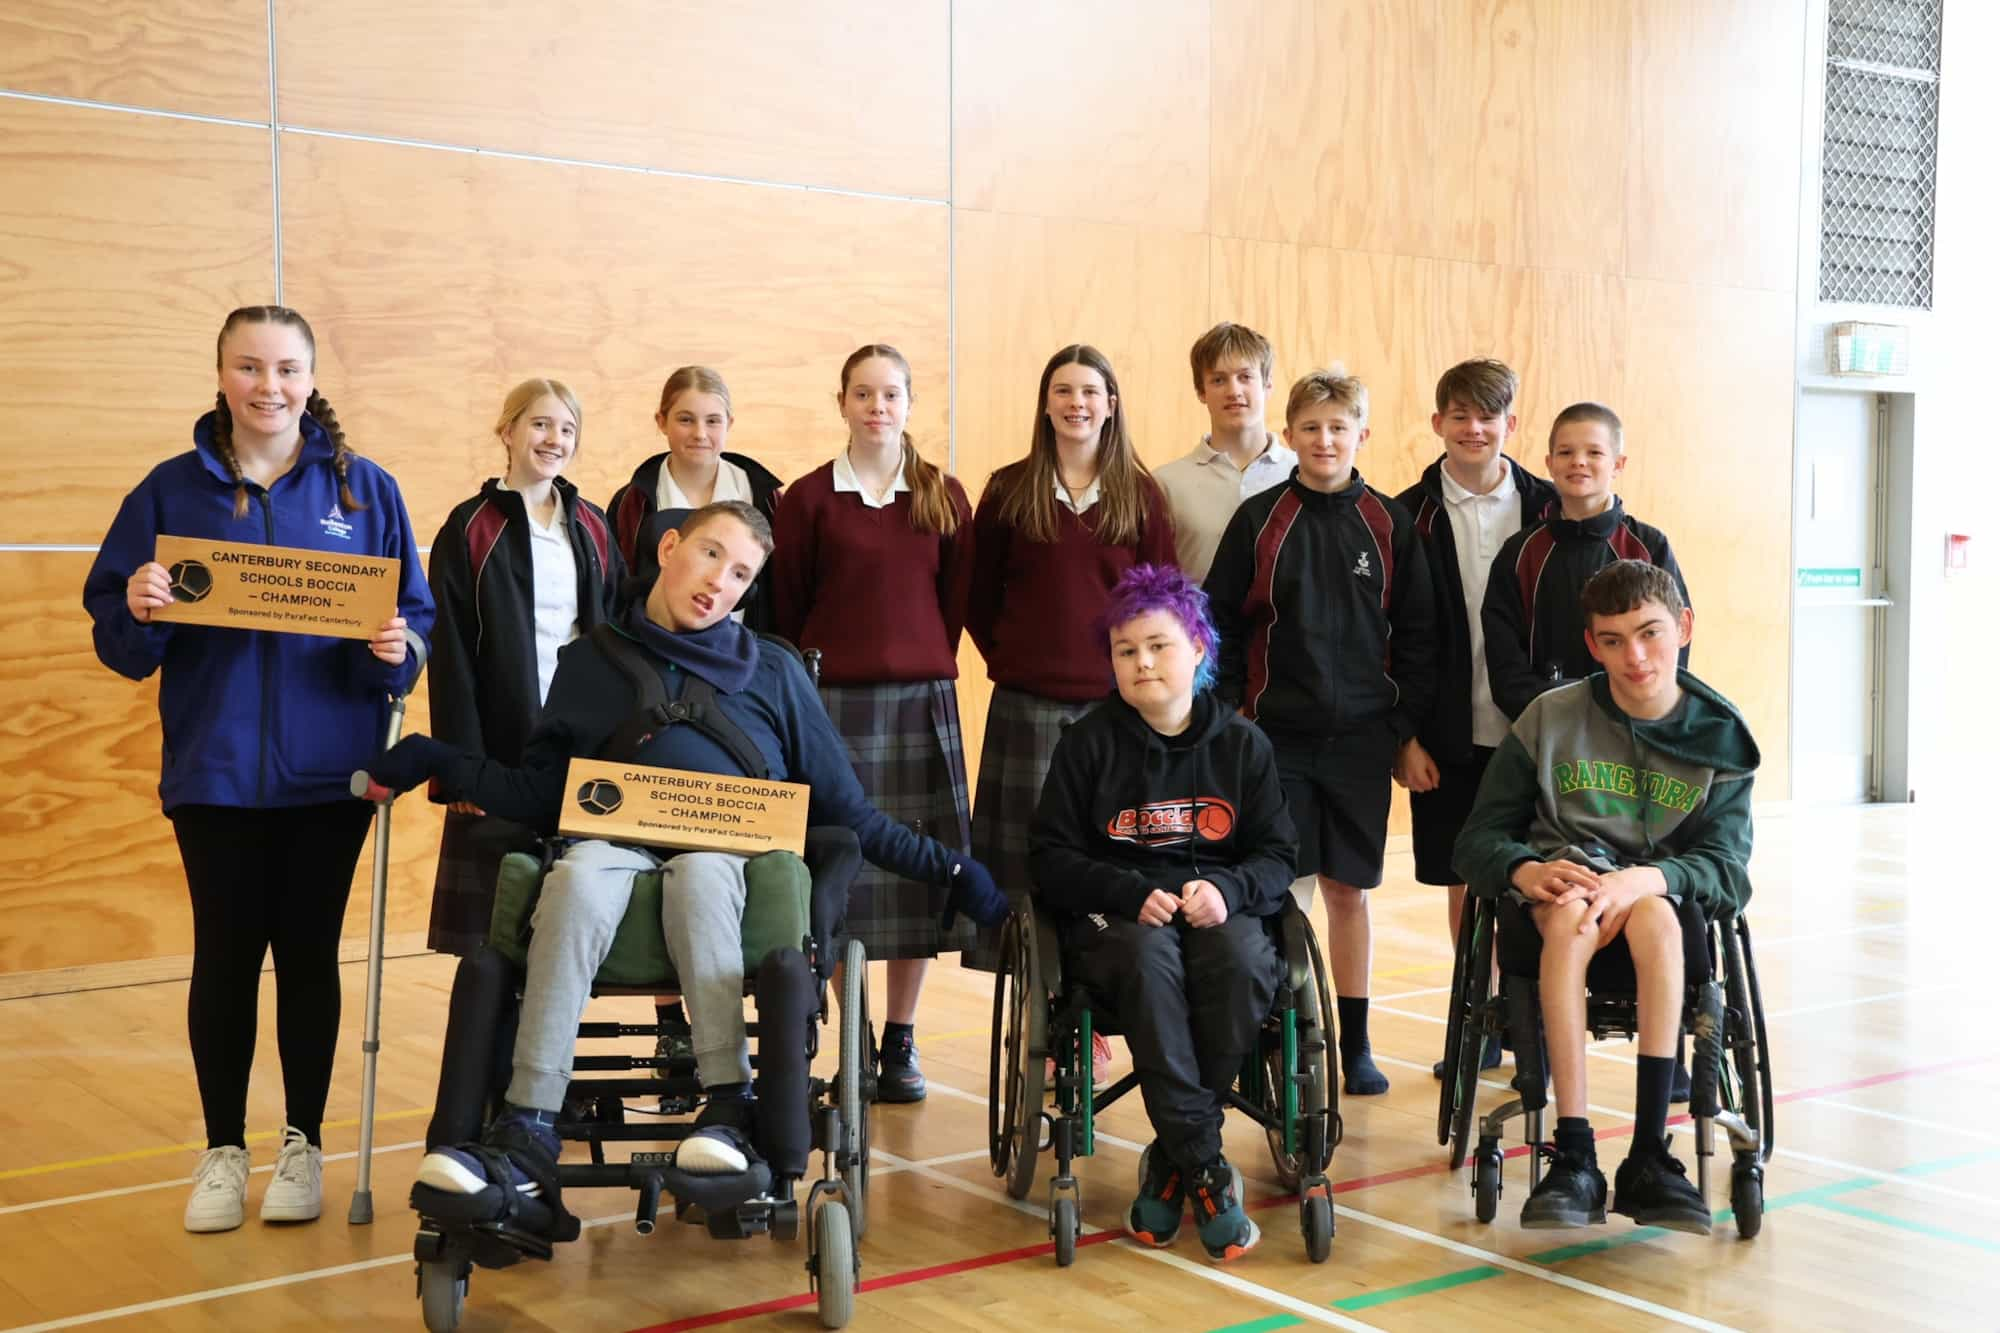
<point>258,879</point>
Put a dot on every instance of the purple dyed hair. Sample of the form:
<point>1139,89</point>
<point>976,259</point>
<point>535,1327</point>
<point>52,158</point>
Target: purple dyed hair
<point>1143,589</point>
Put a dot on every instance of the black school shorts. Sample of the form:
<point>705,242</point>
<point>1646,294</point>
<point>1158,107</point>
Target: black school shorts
<point>1338,791</point>
<point>1437,816</point>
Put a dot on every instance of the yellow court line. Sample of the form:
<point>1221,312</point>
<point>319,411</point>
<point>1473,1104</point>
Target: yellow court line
<point>193,1145</point>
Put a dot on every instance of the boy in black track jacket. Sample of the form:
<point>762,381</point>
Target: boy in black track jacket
<point>1323,597</point>
<point>1466,506</point>
<point>1535,633</point>
<point>1162,846</point>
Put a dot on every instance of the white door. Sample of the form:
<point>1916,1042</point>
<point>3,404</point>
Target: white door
<point>1838,603</point>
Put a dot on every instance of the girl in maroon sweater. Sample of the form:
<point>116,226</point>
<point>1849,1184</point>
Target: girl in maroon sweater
<point>873,571</point>
<point>1052,535</point>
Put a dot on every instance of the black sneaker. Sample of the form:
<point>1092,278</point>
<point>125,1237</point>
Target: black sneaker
<point>720,1144</point>
<point>676,1043</point>
<point>1654,1191</point>
<point>900,1078</point>
<point>1571,1193</point>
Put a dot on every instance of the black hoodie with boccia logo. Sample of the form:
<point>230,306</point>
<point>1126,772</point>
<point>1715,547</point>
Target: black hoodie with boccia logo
<point>1126,810</point>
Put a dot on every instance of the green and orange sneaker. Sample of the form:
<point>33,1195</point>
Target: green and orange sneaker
<point>1156,1212</point>
<point>1226,1230</point>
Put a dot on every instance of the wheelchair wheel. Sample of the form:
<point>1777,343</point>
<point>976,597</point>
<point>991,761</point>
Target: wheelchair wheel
<point>1063,1225</point>
<point>853,1072</point>
<point>1486,1180</point>
<point>1467,1024</point>
<point>1014,1071</point>
<point>833,1264</point>
<point>1746,1195</point>
<point>1749,1044</point>
<point>1313,1010</point>
<point>442,1289</point>
<point>1316,1224</point>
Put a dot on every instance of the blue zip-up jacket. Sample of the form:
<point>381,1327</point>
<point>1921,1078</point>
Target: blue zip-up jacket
<point>250,717</point>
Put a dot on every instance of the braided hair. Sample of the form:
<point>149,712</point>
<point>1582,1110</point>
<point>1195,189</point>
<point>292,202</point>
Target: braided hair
<point>317,407</point>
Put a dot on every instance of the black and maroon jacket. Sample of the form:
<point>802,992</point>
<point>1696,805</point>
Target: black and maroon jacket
<point>485,690</point>
<point>1447,732</point>
<point>1534,627</point>
<point>637,526</point>
<point>1325,608</point>
<point>1126,810</point>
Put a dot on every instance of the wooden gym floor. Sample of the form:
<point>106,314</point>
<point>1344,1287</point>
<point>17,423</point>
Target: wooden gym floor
<point>1884,1195</point>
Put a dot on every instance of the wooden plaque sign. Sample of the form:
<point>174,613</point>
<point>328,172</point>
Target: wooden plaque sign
<point>688,812</point>
<point>284,588</point>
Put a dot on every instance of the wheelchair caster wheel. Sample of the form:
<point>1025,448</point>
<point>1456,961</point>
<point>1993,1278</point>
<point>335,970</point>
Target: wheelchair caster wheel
<point>1486,1183</point>
<point>1316,1223</point>
<point>1746,1198</point>
<point>834,1269</point>
<point>1063,1225</point>
<point>442,1289</point>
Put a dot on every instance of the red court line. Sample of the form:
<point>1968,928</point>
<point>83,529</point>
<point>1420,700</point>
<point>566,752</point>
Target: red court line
<point>735,1313</point>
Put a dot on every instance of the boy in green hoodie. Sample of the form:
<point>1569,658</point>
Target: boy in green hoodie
<point>1611,799</point>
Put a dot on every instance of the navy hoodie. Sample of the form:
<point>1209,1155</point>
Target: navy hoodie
<point>1126,810</point>
<point>250,717</point>
<point>764,690</point>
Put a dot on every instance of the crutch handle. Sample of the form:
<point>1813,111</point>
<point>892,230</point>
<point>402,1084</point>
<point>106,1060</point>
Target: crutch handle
<point>368,789</point>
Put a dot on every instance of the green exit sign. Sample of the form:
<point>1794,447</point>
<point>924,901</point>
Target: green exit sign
<point>1829,578</point>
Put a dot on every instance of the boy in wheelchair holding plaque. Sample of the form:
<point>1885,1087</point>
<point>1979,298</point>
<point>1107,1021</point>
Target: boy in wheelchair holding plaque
<point>1161,846</point>
<point>1612,800</point>
<point>738,706</point>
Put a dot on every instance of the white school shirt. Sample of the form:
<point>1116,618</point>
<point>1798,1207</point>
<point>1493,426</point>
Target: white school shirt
<point>844,479</point>
<point>555,591</point>
<point>1204,490</point>
<point>1480,526</point>
<point>1077,507</point>
<point>731,483</point>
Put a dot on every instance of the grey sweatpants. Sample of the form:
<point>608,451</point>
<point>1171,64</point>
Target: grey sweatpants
<point>583,899</point>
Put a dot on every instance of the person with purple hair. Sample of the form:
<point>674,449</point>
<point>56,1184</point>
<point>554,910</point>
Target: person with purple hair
<point>1162,849</point>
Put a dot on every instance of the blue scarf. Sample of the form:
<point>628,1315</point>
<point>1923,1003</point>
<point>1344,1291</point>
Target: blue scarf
<point>724,654</point>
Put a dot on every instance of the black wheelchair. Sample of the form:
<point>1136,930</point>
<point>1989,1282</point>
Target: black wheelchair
<point>1730,1072</point>
<point>791,910</point>
<point>1284,1086</point>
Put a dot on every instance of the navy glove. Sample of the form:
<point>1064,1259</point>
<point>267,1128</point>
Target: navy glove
<point>413,761</point>
<point>974,893</point>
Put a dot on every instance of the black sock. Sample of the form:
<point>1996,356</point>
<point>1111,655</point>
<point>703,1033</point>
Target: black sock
<point>1573,1135</point>
<point>671,1014</point>
<point>311,1132</point>
<point>1656,1084</point>
<point>1352,1014</point>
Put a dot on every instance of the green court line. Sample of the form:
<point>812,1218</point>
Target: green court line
<point>1369,1299</point>
<point>1919,1228</point>
<point>1823,1196</point>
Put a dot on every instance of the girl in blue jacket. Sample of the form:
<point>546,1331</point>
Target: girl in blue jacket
<point>260,733</point>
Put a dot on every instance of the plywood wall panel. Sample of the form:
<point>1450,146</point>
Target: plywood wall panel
<point>1708,412</point>
<point>444,278</point>
<point>93,874</point>
<point>1532,133</point>
<point>126,239</point>
<point>851,96</point>
<point>206,57</point>
<point>1712,167</point>
<point>1097,112</point>
<point>1325,124</point>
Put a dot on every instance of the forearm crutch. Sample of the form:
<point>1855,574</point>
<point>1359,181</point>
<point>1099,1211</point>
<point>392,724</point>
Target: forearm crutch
<point>361,1209</point>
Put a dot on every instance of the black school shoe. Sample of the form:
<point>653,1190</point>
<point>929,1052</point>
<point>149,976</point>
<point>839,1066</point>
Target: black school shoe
<point>1570,1195</point>
<point>900,1078</point>
<point>1654,1191</point>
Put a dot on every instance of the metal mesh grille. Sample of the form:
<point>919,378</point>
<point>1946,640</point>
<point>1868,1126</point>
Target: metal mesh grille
<point>1879,165</point>
<point>1900,33</point>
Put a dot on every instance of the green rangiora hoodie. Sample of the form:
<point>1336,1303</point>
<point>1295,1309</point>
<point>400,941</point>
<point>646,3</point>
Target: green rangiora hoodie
<point>1577,778</point>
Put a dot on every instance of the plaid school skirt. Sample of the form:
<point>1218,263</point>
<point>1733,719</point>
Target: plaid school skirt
<point>1021,734</point>
<point>909,753</point>
<point>468,869</point>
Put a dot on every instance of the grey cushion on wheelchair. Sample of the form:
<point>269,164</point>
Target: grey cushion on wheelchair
<point>776,915</point>
<point>1520,949</point>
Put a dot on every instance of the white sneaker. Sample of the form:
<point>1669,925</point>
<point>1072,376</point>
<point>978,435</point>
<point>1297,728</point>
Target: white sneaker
<point>293,1194</point>
<point>221,1179</point>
